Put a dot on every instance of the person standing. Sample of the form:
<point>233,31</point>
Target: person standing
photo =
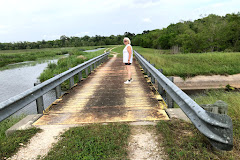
<point>127,58</point>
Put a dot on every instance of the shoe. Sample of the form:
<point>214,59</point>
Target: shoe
<point>127,82</point>
<point>131,80</point>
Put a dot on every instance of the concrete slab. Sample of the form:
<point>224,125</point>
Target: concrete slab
<point>208,82</point>
<point>25,123</point>
<point>177,113</point>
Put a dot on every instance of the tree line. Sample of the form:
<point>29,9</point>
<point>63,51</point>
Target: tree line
<point>207,34</point>
<point>65,41</point>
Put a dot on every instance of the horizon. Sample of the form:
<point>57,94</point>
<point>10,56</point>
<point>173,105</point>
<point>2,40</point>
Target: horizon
<point>44,20</point>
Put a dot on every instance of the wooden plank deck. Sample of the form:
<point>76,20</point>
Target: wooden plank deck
<point>103,97</point>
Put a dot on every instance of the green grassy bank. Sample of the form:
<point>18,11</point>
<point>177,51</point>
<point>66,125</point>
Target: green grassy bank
<point>16,56</point>
<point>192,64</point>
<point>9,145</point>
<point>94,141</point>
<point>183,141</point>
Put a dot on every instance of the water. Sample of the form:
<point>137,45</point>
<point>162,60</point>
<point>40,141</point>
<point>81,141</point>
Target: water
<point>17,80</point>
<point>94,50</point>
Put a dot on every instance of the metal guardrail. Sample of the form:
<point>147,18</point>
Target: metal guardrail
<point>216,127</point>
<point>14,104</point>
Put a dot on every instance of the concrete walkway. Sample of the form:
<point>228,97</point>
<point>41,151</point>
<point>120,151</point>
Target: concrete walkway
<point>103,97</point>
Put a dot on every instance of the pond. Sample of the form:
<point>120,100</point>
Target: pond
<point>17,80</point>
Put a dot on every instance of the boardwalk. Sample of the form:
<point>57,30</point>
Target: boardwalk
<point>103,97</point>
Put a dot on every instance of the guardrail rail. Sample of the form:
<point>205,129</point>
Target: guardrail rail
<point>217,128</point>
<point>14,104</point>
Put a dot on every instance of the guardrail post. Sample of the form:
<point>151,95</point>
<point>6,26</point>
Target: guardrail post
<point>86,71</point>
<point>71,80</point>
<point>141,65</point>
<point>79,76</point>
<point>95,66</point>
<point>160,88</point>
<point>145,70</point>
<point>58,91</point>
<point>39,103</point>
<point>91,68</point>
<point>148,74</point>
<point>105,58</point>
<point>170,101</point>
<point>152,78</point>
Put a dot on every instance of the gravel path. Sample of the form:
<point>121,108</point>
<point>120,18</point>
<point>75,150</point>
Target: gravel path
<point>143,144</point>
<point>41,143</point>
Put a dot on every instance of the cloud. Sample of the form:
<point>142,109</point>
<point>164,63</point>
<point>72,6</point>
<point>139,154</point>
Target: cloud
<point>144,3</point>
<point>29,20</point>
<point>57,36</point>
<point>81,34</point>
<point>3,26</point>
<point>147,20</point>
<point>51,37</point>
<point>4,29</point>
<point>219,8</point>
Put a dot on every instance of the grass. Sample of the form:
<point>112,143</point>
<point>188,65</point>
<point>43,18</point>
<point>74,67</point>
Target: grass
<point>49,49</point>
<point>75,58</point>
<point>16,56</point>
<point>148,50</point>
<point>183,141</point>
<point>9,145</point>
<point>119,49</point>
<point>94,141</point>
<point>192,64</point>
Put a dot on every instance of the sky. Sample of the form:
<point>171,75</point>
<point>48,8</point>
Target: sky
<point>35,20</point>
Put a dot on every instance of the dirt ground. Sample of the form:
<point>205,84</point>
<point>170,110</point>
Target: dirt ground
<point>144,144</point>
<point>40,144</point>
